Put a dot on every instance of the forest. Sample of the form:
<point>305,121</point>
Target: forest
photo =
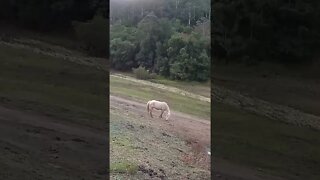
<point>83,21</point>
<point>277,31</point>
<point>170,38</point>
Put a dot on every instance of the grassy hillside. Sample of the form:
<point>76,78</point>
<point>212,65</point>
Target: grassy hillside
<point>53,86</point>
<point>201,88</point>
<point>266,145</point>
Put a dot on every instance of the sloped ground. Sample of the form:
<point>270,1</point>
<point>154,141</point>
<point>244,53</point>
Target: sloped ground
<point>265,108</point>
<point>295,87</point>
<point>152,148</point>
<point>52,117</point>
<point>35,146</point>
<point>44,48</point>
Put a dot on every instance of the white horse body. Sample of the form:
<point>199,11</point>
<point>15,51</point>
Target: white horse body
<point>158,105</point>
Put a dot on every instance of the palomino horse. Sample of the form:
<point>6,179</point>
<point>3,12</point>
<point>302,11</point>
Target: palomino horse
<point>158,105</point>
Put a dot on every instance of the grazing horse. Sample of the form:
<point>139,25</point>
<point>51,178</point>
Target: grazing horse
<point>158,105</point>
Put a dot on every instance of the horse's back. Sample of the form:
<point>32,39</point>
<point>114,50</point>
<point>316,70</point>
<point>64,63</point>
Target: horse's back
<point>158,103</point>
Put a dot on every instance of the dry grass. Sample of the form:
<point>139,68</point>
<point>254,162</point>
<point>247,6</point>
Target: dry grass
<point>198,156</point>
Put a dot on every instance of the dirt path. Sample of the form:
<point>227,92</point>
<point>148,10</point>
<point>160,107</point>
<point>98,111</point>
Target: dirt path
<point>238,100</point>
<point>33,146</point>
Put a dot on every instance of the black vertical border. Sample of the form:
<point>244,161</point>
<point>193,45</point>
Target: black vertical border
<point>107,4</point>
<point>211,93</point>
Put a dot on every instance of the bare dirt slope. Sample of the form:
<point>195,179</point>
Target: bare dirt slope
<point>174,149</point>
<point>184,125</point>
<point>196,132</point>
<point>33,146</point>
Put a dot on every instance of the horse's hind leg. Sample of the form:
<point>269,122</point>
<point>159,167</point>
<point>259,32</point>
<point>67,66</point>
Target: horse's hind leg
<point>161,114</point>
<point>150,112</point>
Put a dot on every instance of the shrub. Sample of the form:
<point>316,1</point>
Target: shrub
<point>153,75</point>
<point>142,73</point>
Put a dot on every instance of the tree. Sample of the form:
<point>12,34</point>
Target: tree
<point>184,60</point>
<point>175,36</point>
<point>150,28</point>
<point>122,54</point>
<point>124,46</point>
<point>266,30</point>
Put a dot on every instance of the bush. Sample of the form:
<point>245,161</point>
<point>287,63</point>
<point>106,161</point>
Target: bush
<point>153,75</point>
<point>142,73</point>
<point>93,35</point>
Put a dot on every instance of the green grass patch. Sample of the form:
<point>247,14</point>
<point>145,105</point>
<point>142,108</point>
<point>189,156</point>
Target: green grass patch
<point>201,88</point>
<point>125,88</point>
<point>51,85</point>
<point>258,142</point>
<point>123,167</point>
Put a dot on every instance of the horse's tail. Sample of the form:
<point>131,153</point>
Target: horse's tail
<point>168,114</point>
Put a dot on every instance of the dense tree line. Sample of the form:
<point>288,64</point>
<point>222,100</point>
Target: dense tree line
<point>131,12</point>
<point>47,15</point>
<point>167,37</point>
<point>285,31</point>
<point>85,20</point>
